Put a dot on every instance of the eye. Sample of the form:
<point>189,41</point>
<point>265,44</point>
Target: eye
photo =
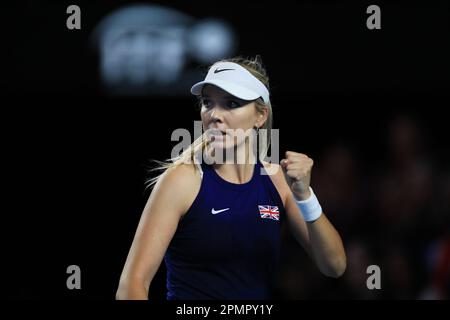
<point>232,104</point>
<point>206,102</point>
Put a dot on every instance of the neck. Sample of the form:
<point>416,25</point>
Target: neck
<point>239,168</point>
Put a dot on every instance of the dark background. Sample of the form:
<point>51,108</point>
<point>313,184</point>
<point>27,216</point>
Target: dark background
<point>75,158</point>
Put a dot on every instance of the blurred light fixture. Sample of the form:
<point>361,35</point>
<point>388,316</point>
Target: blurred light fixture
<point>147,49</point>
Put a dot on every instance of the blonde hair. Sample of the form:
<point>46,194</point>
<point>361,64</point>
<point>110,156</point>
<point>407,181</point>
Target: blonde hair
<point>256,68</point>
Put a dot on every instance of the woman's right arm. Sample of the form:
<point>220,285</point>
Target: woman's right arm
<point>170,199</point>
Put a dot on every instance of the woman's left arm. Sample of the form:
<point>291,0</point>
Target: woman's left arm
<point>319,238</point>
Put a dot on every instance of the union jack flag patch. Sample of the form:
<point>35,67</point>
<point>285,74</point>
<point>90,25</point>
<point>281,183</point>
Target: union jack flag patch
<point>269,212</point>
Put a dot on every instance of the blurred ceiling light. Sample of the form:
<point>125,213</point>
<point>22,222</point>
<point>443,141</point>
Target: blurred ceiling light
<point>146,49</point>
<point>210,40</point>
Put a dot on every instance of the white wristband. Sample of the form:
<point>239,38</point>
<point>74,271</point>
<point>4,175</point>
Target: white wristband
<point>310,208</point>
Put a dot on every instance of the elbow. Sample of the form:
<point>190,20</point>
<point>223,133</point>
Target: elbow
<point>131,290</point>
<point>123,291</point>
<point>120,294</point>
<point>335,269</point>
<point>338,271</point>
<point>339,267</point>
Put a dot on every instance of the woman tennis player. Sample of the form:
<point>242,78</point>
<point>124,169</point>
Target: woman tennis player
<point>217,225</point>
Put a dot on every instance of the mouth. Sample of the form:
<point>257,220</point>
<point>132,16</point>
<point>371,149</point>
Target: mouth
<point>216,135</point>
<point>216,132</point>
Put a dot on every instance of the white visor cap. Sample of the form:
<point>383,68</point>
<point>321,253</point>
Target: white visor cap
<point>234,79</point>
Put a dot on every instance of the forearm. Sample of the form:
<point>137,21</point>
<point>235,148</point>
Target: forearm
<point>319,237</point>
<point>326,247</point>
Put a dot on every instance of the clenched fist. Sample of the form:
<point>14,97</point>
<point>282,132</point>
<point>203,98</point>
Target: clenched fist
<point>297,171</point>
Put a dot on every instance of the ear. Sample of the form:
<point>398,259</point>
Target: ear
<point>261,117</point>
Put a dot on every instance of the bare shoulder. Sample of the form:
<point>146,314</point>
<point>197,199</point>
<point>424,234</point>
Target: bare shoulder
<point>180,184</point>
<point>275,172</point>
<point>181,174</point>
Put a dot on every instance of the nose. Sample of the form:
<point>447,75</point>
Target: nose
<point>216,115</point>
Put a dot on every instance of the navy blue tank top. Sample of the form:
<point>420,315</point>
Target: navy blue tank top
<point>227,244</point>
